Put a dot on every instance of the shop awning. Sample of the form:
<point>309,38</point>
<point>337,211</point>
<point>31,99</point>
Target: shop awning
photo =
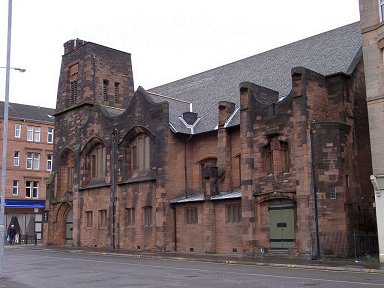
<point>24,204</point>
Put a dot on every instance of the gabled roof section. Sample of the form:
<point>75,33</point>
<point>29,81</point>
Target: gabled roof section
<point>28,112</point>
<point>332,52</point>
<point>111,111</point>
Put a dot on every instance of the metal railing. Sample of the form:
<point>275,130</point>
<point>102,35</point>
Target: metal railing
<point>355,245</point>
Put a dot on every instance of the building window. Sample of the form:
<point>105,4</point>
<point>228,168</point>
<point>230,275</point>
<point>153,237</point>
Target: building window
<point>16,158</point>
<point>268,159</point>
<point>73,88</point>
<point>33,133</point>
<point>140,153</point>
<point>97,161</point>
<point>276,157</point>
<point>102,218</point>
<point>36,161</point>
<point>73,77</point>
<point>49,162</point>
<point>89,219</point>
<point>236,171</point>
<point>381,6</point>
<point>17,131</point>
<point>233,213</point>
<point>191,216</point>
<point>30,133</point>
<point>70,178</point>
<point>148,216</point>
<point>50,135</point>
<point>15,188</point>
<point>31,189</point>
<point>331,193</point>
<point>33,161</point>
<point>36,136</point>
<point>347,181</point>
<point>130,217</point>
<point>105,89</point>
<point>116,95</point>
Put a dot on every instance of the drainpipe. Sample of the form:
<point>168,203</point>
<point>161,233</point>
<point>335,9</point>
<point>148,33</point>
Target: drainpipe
<point>175,226</point>
<point>185,165</point>
<point>314,181</point>
<point>113,186</point>
<point>94,76</point>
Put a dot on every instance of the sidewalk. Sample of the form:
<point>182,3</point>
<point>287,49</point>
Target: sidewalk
<point>333,264</point>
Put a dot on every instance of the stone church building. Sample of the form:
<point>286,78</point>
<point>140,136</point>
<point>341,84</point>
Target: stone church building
<point>270,152</point>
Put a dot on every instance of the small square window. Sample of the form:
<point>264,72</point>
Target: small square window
<point>31,189</point>
<point>331,193</point>
<point>89,219</point>
<point>102,218</point>
<point>148,216</point>
<point>191,216</point>
<point>130,212</point>
<point>233,214</point>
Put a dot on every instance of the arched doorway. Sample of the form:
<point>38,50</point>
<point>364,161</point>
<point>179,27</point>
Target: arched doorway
<point>69,228</point>
<point>281,224</point>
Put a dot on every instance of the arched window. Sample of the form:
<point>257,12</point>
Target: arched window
<point>139,153</point>
<point>137,149</point>
<point>66,172</point>
<point>96,161</point>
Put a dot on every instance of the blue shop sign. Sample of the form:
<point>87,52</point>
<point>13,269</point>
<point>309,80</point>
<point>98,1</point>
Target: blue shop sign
<point>24,204</point>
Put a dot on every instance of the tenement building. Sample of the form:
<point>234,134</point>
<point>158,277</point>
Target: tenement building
<point>372,29</point>
<point>28,167</point>
<point>270,152</point>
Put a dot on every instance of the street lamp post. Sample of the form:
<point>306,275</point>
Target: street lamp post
<point>5,140</point>
<point>22,70</point>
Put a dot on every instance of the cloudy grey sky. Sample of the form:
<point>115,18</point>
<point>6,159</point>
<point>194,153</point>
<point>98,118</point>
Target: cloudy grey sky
<point>168,39</point>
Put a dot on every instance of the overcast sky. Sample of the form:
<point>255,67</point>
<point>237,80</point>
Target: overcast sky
<point>168,39</point>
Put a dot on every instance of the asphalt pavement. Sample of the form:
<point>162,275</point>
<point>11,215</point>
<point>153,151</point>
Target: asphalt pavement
<point>366,264</point>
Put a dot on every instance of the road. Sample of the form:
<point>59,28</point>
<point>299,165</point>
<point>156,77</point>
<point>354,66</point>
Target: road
<point>49,268</point>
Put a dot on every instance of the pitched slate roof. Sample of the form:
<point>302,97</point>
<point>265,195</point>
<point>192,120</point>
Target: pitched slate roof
<point>327,53</point>
<point>28,112</point>
<point>200,197</point>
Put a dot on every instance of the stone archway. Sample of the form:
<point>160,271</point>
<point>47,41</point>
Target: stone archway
<point>64,234</point>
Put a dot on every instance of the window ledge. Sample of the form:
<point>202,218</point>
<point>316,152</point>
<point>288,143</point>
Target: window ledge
<point>95,184</point>
<point>138,179</point>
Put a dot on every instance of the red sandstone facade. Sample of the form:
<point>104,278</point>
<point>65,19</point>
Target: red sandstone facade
<point>29,165</point>
<point>126,178</point>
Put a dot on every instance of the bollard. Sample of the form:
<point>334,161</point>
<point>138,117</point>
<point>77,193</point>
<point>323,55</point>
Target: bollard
<point>26,238</point>
<point>19,238</point>
<point>35,238</point>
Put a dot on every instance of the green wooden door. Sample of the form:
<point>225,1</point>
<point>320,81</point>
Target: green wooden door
<point>281,224</point>
<point>69,228</point>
